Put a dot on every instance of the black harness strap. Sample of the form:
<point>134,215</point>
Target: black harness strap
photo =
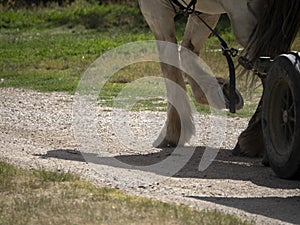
<point>227,52</point>
<point>188,9</point>
<point>176,2</point>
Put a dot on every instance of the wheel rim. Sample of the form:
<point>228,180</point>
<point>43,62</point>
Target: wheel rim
<point>282,119</point>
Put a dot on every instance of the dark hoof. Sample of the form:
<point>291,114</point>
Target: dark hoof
<point>239,101</point>
<point>265,161</point>
<point>237,150</point>
<point>164,144</point>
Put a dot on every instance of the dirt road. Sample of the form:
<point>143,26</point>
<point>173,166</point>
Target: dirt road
<point>37,130</point>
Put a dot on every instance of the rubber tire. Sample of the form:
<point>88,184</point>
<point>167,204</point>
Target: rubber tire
<point>281,116</point>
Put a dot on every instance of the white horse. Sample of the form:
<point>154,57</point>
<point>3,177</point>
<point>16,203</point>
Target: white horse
<point>263,27</point>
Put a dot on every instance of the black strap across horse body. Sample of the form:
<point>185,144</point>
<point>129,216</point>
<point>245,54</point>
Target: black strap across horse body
<point>182,7</point>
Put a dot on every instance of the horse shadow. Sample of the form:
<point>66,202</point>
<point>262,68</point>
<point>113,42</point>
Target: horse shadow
<point>224,166</point>
<point>65,154</point>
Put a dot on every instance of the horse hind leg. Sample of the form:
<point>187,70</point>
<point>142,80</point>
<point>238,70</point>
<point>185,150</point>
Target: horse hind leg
<point>250,142</point>
<point>179,126</point>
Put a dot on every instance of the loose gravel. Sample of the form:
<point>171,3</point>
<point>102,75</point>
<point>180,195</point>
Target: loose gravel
<point>37,131</point>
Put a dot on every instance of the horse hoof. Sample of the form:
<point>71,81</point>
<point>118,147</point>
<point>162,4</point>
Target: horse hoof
<point>164,144</point>
<point>237,150</point>
<point>265,161</point>
<point>239,101</point>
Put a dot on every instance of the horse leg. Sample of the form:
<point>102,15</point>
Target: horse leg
<point>194,36</point>
<point>250,142</point>
<point>205,86</point>
<point>179,126</point>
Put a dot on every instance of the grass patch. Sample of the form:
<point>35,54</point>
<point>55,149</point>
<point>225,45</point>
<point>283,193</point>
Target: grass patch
<point>7,172</point>
<point>42,197</point>
<point>61,42</point>
<point>48,49</point>
<point>41,81</point>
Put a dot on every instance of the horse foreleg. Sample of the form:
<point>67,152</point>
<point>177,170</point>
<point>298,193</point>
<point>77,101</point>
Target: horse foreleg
<point>203,84</point>
<point>179,126</point>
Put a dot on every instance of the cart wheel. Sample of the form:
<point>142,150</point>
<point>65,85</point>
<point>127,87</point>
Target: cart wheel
<point>281,116</point>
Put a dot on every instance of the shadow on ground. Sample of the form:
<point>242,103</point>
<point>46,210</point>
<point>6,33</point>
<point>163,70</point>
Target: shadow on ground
<point>284,209</point>
<point>225,166</point>
<point>65,154</point>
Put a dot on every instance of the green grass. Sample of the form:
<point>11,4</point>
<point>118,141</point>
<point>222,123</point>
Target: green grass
<point>42,197</point>
<point>48,49</point>
<point>60,43</point>
<point>137,91</point>
<point>43,47</point>
<point>54,56</point>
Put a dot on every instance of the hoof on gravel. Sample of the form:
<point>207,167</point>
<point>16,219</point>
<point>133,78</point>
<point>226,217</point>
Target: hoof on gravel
<point>245,151</point>
<point>265,161</point>
<point>237,150</point>
<point>239,101</point>
<point>164,144</point>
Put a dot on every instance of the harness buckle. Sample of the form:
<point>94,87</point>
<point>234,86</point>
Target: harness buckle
<point>233,52</point>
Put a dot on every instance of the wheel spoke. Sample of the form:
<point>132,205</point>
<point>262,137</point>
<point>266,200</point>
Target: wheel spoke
<point>291,108</point>
<point>287,97</point>
<point>290,130</point>
<point>284,104</point>
<point>288,119</point>
<point>285,131</point>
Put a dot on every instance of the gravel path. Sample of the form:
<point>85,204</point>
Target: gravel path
<point>36,130</point>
